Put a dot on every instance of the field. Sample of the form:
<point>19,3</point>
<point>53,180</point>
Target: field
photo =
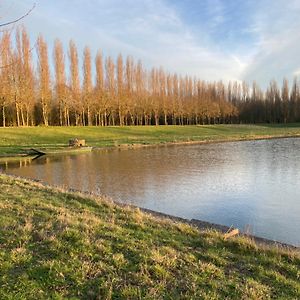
<point>60,245</point>
<point>14,140</point>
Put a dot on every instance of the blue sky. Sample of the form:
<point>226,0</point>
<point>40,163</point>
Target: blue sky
<point>212,39</point>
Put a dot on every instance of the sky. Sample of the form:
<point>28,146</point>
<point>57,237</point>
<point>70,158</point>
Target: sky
<point>211,39</point>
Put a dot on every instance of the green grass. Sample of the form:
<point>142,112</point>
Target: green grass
<point>59,245</point>
<point>13,140</point>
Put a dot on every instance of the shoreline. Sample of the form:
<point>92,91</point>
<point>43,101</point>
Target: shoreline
<point>56,151</point>
<point>203,225</point>
<point>195,142</point>
<point>199,224</point>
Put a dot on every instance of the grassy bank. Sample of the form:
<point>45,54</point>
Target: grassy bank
<point>55,244</point>
<point>15,140</point>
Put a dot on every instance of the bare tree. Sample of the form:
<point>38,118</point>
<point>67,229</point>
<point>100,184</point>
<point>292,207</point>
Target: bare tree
<point>12,22</point>
<point>28,80</point>
<point>110,87</point>
<point>44,79</point>
<point>120,90</point>
<point>125,93</point>
<point>101,96</point>
<point>5,86</point>
<point>285,100</point>
<point>75,83</point>
<point>87,83</point>
<point>61,88</point>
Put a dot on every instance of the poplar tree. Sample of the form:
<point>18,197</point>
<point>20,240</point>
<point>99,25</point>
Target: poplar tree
<point>44,79</point>
<point>285,100</point>
<point>5,76</point>
<point>110,88</point>
<point>61,88</point>
<point>120,91</point>
<point>125,93</point>
<point>101,98</point>
<point>75,90</point>
<point>130,88</point>
<point>87,90</point>
<point>28,80</point>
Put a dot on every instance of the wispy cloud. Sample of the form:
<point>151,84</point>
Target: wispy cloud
<point>213,39</point>
<point>296,72</point>
<point>278,42</point>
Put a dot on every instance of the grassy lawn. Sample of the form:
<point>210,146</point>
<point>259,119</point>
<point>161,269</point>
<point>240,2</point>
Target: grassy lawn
<point>59,245</point>
<point>14,140</point>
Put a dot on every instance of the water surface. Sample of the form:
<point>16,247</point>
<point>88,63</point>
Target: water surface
<point>253,184</point>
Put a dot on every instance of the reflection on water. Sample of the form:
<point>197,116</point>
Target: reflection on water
<point>253,183</point>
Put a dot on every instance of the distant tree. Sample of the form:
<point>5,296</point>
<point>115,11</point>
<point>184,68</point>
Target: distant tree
<point>45,92</point>
<point>87,90</point>
<point>130,89</point>
<point>295,101</point>
<point>61,88</point>
<point>17,80</point>
<point>29,79</point>
<point>5,75</point>
<point>120,91</point>
<point>75,90</point>
<point>165,107</point>
<point>275,96</point>
<point>140,96</point>
<point>285,100</point>
<point>125,93</point>
<point>101,97</point>
<point>111,90</point>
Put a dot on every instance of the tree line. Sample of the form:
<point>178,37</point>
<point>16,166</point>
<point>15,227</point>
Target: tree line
<point>105,92</point>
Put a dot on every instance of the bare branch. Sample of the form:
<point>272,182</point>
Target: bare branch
<point>19,59</point>
<point>19,19</point>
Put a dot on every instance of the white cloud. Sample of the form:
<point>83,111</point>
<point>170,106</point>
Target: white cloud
<point>296,72</point>
<point>161,37</point>
<point>150,30</point>
<point>155,32</point>
<point>278,45</point>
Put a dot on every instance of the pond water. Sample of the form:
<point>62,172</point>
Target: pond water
<point>252,184</point>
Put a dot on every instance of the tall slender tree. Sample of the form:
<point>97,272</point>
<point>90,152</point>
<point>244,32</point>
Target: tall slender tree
<point>120,91</point>
<point>61,88</point>
<point>44,79</point>
<point>285,100</point>
<point>28,80</point>
<point>110,88</point>
<point>75,90</point>
<point>87,84</point>
<point>101,97</point>
<point>5,76</point>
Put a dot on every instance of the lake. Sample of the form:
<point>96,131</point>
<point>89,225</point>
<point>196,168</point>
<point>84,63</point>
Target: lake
<point>250,184</point>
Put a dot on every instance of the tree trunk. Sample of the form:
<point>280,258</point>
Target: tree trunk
<point>45,114</point>
<point>3,116</point>
<point>166,120</point>
<point>18,115</point>
<point>22,116</point>
<point>60,115</point>
<point>105,118</point>
<point>89,116</point>
<point>83,117</point>
<point>67,117</point>
<point>27,117</point>
<point>156,120</point>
